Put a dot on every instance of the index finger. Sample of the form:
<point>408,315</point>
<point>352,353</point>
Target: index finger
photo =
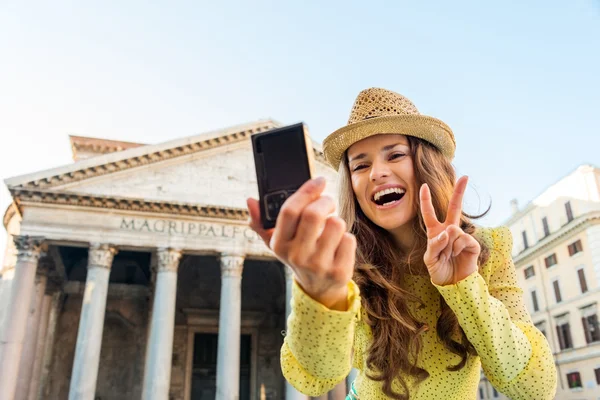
<point>255,225</point>
<point>427,210</point>
<point>455,205</point>
<point>289,215</point>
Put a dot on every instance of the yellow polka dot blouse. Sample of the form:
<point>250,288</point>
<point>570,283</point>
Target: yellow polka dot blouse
<point>321,345</point>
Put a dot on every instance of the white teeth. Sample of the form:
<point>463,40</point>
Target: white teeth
<point>388,191</point>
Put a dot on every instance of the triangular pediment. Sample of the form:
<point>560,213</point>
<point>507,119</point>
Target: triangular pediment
<point>213,169</point>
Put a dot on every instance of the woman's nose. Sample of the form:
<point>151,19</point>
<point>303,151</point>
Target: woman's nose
<point>379,170</point>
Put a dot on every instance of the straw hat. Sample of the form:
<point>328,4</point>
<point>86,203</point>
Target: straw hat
<point>381,111</point>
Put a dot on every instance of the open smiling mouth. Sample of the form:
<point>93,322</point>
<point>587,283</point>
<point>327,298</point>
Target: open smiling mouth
<point>388,197</point>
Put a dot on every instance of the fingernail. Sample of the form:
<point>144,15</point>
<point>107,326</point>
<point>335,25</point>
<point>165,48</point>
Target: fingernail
<point>442,236</point>
<point>318,182</point>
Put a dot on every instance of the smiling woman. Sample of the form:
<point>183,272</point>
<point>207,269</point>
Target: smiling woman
<point>401,285</point>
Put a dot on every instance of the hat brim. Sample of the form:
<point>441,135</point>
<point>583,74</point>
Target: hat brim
<point>423,127</point>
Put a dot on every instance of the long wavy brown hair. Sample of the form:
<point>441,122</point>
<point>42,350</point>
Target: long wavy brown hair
<point>380,266</point>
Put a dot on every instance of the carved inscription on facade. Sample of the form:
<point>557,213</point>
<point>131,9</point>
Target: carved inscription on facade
<point>187,228</point>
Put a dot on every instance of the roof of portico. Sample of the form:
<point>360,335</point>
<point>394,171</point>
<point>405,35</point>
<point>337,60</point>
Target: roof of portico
<point>97,146</point>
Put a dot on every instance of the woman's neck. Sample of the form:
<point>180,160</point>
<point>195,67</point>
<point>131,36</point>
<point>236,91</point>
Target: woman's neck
<point>404,237</point>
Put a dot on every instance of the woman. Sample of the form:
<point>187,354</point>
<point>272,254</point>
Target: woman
<point>401,285</point>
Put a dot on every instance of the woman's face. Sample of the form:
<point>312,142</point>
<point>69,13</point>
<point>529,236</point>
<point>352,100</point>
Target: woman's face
<point>383,180</point>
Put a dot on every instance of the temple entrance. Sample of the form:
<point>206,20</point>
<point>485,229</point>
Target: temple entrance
<point>204,372</point>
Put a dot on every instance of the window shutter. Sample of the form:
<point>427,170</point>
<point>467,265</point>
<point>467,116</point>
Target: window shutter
<point>586,330</point>
<point>557,295</point>
<point>534,301</point>
<point>594,328</point>
<point>568,341</point>
<point>561,339</point>
<point>582,281</point>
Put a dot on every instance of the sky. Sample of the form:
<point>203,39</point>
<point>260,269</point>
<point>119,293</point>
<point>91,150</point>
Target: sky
<point>518,83</point>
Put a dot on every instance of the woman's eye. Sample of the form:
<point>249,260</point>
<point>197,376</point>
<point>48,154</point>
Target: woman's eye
<point>361,166</point>
<point>396,155</point>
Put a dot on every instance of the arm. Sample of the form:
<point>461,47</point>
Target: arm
<point>317,349</point>
<point>514,354</point>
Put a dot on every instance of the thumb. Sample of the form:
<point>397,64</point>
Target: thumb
<point>255,224</point>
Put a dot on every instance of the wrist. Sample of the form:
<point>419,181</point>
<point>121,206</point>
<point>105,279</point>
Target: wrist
<point>333,298</point>
<point>336,300</point>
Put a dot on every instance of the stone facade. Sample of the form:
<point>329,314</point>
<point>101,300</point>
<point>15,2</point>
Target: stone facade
<point>127,210</point>
<point>561,280</point>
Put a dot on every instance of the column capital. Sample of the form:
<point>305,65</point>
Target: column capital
<point>101,255</point>
<point>28,247</point>
<point>168,259</point>
<point>232,264</point>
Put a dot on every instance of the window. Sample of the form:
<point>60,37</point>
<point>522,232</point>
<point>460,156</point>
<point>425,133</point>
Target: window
<point>582,281</point>
<point>557,291</point>
<point>574,380</point>
<point>569,211</point>
<point>575,248</point>
<point>545,225</point>
<point>597,372</point>
<point>550,260</point>
<point>534,301</point>
<point>525,243</point>
<point>529,272</point>
<point>481,393</point>
<point>564,336</point>
<point>590,327</point>
<point>541,326</point>
<point>495,393</point>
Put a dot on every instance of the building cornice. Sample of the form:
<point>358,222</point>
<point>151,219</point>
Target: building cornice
<point>577,225</point>
<point>23,196</point>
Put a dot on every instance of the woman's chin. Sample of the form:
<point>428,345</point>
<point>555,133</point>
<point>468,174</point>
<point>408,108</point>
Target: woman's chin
<point>392,225</point>
<point>393,221</point>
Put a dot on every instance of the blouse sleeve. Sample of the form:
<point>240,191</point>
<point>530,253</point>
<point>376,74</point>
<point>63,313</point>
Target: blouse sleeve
<point>317,350</point>
<point>514,354</point>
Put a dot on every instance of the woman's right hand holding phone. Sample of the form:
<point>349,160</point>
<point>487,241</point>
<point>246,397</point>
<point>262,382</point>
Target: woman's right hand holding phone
<point>312,242</point>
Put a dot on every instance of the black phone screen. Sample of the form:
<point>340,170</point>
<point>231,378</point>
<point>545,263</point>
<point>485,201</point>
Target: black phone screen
<point>287,169</point>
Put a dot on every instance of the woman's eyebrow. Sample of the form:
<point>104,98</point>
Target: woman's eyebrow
<point>385,148</point>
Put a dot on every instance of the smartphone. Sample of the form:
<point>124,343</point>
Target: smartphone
<point>284,160</point>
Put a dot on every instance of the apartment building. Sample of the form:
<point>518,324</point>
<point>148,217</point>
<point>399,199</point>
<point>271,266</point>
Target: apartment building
<point>556,252</point>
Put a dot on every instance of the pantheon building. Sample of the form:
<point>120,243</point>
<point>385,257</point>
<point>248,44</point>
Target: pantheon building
<point>131,273</point>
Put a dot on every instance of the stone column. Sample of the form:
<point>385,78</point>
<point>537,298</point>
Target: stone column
<point>13,332</point>
<point>290,392</point>
<point>230,314</point>
<point>54,314</point>
<point>91,323</point>
<point>28,353</point>
<point>43,337</point>
<point>157,375</point>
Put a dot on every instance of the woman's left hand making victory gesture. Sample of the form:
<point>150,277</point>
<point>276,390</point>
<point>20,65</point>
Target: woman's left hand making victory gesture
<point>451,254</point>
